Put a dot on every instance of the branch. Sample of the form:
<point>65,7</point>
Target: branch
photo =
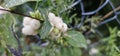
<point>14,51</point>
<point>13,12</point>
<point>19,50</point>
<point>110,13</point>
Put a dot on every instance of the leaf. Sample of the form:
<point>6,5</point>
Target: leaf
<point>12,3</point>
<point>65,51</point>
<point>45,29</point>
<point>6,35</point>
<point>76,52</point>
<point>3,43</point>
<point>28,53</point>
<point>69,51</point>
<point>76,39</point>
<point>36,14</point>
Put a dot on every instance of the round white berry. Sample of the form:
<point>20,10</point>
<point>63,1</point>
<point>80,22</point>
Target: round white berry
<point>64,27</point>
<point>27,30</point>
<point>93,51</point>
<point>57,20</point>
<point>58,26</point>
<point>26,21</point>
<point>51,16</point>
<point>35,24</point>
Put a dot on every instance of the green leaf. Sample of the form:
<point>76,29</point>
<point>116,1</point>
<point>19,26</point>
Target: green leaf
<point>76,39</point>
<point>65,51</point>
<point>69,51</point>
<point>28,53</point>
<point>36,14</point>
<point>12,3</point>
<point>6,35</point>
<point>76,52</point>
<point>45,29</point>
<point>32,14</point>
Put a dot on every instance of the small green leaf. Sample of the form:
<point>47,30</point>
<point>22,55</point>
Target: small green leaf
<point>3,43</point>
<point>69,51</point>
<point>45,29</point>
<point>118,33</point>
<point>65,51</point>
<point>37,15</point>
<point>76,39</point>
<point>32,14</point>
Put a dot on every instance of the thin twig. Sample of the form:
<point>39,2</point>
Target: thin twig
<point>20,14</point>
<point>19,50</point>
<point>106,21</point>
<point>110,13</point>
<point>113,7</point>
<point>15,35</point>
<point>14,51</point>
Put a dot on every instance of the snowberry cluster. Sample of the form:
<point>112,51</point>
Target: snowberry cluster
<point>57,22</point>
<point>30,26</point>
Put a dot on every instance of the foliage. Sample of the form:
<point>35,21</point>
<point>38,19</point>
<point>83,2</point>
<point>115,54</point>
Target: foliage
<point>85,31</point>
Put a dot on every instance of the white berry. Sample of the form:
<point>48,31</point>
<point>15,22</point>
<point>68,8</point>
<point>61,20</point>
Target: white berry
<point>51,16</point>
<point>27,30</point>
<point>26,21</point>
<point>35,24</point>
<point>58,26</point>
<point>64,27</point>
<point>57,20</point>
<point>93,51</point>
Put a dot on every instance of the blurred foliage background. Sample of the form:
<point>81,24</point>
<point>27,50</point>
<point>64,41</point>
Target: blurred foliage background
<point>94,28</point>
